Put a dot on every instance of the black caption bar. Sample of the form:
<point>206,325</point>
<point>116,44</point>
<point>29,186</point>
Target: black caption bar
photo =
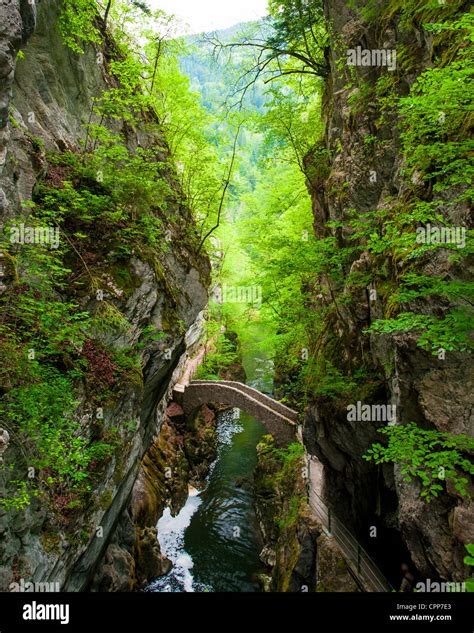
<point>236,613</point>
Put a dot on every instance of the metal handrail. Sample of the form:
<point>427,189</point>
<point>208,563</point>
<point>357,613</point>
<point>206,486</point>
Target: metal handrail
<point>360,562</point>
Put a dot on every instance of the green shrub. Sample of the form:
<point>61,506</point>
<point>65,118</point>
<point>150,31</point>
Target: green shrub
<point>428,456</point>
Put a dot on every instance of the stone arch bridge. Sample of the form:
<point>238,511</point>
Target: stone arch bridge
<point>279,420</point>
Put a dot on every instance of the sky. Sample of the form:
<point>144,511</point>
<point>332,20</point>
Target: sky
<point>210,15</point>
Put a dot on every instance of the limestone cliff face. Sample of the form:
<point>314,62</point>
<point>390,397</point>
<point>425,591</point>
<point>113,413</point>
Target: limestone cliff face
<point>433,393</point>
<point>48,94</point>
<point>17,22</point>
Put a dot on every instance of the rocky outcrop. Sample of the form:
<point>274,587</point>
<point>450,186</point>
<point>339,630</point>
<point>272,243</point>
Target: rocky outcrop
<point>17,23</point>
<point>300,557</point>
<point>178,457</point>
<point>52,96</point>
<point>359,176</point>
<point>288,529</point>
<point>333,574</point>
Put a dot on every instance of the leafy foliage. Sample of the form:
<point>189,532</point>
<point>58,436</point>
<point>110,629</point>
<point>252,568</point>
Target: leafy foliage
<point>58,333</point>
<point>77,24</point>
<point>290,42</point>
<point>40,412</point>
<point>428,456</point>
<point>222,355</point>
<point>469,560</point>
<point>437,148</point>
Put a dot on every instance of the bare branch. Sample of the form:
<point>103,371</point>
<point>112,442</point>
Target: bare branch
<point>224,191</point>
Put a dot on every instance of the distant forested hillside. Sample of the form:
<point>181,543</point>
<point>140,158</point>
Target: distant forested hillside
<point>213,78</point>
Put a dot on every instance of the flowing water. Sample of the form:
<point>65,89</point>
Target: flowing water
<point>214,542</point>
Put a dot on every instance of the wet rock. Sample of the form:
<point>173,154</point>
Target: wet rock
<point>175,412</point>
<point>116,572</point>
<point>149,562</point>
<point>268,556</point>
<point>179,455</point>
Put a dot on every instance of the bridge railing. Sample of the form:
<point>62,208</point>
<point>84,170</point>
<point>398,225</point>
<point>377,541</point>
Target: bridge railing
<point>362,566</point>
<point>258,395</point>
<point>193,395</point>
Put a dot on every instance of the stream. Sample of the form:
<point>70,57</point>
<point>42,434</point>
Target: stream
<point>214,542</point>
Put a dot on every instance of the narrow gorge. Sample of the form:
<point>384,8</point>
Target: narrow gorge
<point>236,298</point>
